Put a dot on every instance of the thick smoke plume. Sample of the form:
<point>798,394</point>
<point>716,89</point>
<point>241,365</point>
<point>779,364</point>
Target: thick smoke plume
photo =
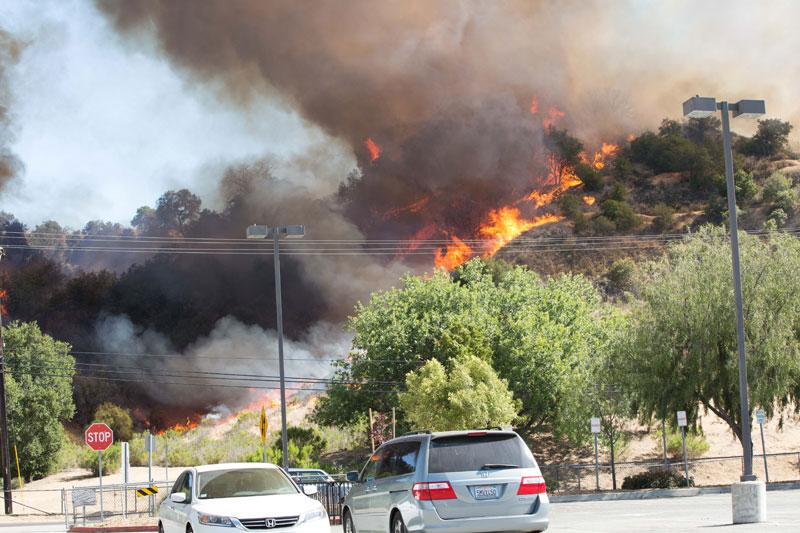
<point>10,165</point>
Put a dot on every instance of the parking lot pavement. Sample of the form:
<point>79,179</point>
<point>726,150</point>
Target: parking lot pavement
<point>710,512</point>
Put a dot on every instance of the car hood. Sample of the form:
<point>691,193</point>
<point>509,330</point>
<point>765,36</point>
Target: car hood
<point>257,506</point>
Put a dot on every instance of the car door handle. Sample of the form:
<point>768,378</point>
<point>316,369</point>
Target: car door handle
<point>397,491</point>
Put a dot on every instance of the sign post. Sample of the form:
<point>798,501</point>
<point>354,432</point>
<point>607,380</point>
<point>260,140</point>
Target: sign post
<point>150,446</point>
<point>682,424</point>
<point>99,437</point>
<point>262,427</point>
<point>126,463</point>
<point>595,431</point>
<point>762,417</point>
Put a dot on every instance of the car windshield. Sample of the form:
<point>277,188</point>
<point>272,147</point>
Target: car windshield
<point>243,482</point>
<point>467,453</point>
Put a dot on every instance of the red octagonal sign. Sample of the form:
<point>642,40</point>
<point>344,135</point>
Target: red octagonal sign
<point>98,436</point>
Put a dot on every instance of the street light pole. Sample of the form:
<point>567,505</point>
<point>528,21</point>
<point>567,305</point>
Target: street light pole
<point>5,449</point>
<point>279,306</point>
<point>257,231</point>
<point>747,440</point>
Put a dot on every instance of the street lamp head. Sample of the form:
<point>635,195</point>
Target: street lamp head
<point>749,108</point>
<point>699,107</point>
<point>292,232</point>
<point>257,231</point>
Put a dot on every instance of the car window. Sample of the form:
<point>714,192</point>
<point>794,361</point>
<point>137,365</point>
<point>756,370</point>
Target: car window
<point>178,483</point>
<point>398,459</point>
<point>184,485</point>
<point>241,482</point>
<point>464,453</point>
<point>371,468</point>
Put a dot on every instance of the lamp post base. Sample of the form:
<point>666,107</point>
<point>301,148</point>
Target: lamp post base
<point>749,501</point>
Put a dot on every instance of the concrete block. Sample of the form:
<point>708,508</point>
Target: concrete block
<point>749,500</point>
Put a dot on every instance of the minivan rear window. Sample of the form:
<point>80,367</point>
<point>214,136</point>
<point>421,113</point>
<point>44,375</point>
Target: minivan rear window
<point>464,453</point>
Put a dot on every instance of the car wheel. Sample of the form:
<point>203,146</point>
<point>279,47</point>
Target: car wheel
<point>398,526</point>
<point>160,527</point>
<point>189,528</point>
<point>347,523</point>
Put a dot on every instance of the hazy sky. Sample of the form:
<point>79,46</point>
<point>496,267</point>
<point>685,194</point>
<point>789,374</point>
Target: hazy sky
<point>103,128</point>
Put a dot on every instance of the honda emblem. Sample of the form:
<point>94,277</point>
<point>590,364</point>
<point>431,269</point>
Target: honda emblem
<point>269,523</point>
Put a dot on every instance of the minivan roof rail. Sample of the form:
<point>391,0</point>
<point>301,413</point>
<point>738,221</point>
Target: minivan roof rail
<point>417,432</point>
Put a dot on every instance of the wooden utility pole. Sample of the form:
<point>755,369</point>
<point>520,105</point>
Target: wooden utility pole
<point>5,449</point>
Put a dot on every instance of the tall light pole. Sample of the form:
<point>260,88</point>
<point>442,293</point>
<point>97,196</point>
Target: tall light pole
<point>257,231</point>
<point>700,107</point>
<point>5,448</point>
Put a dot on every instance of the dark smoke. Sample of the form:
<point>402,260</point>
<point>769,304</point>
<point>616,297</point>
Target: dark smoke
<point>10,165</point>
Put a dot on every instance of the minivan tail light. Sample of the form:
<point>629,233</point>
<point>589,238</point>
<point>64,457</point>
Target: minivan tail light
<point>439,490</point>
<point>532,485</point>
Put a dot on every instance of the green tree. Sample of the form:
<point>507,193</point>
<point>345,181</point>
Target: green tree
<point>39,395</point>
<point>118,419</point>
<point>536,334</point>
<point>775,184</point>
<point>681,352</point>
<point>621,214</point>
<point>467,394</point>
<point>565,149</point>
<point>769,140</point>
<point>664,218</point>
<point>176,209</point>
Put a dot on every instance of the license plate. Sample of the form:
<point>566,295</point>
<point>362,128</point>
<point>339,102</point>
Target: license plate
<point>486,493</point>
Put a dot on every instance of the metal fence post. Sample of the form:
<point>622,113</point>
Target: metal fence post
<point>66,509</point>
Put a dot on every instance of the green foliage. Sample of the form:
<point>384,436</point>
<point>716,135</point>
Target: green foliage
<point>622,169</point>
<point>70,455</point>
<point>664,218</point>
<point>536,334</point>
<point>621,214</point>
<point>307,437</point>
<point>696,444</point>
<point>775,184</point>
<point>467,395</point>
<point>565,149</point>
<point>769,140</point>
<point>603,226</point>
<point>746,187</point>
<point>619,278</point>
<point>657,478</point>
<point>590,176</point>
<point>110,457</point>
<point>776,219</point>
<point>618,192</point>
<point>299,456</point>
<point>117,418</point>
<point>39,395</point>
<point>671,152</point>
<point>681,352</point>
<point>569,205</point>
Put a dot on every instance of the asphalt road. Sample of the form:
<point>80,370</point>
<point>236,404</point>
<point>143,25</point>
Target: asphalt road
<point>710,512</point>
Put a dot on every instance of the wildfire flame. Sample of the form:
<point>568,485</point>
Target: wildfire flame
<point>455,253</point>
<point>505,224</point>
<point>553,114</point>
<point>3,311</point>
<point>373,149</point>
<point>414,207</point>
<point>534,105</point>
<point>180,427</point>
<point>606,150</point>
<point>589,200</point>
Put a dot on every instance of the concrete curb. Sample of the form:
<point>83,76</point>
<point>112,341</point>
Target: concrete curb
<point>648,494</point>
<point>112,529</point>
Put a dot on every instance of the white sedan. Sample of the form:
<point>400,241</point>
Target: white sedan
<point>244,496</point>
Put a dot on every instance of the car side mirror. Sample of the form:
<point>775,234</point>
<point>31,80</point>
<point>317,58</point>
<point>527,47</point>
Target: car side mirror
<point>310,490</point>
<point>352,476</point>
<point>177,497</point>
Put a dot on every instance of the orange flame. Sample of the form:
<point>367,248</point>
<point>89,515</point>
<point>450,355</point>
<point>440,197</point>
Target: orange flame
<point>505,224</point>
<point>606,150</point>
<point>180,427</point>
<point>414,207</point>
<point>3,311</point>
<point>589,200</point>
<point>455,253</point>
<point>553,114</point>
<point>631,136</point>
<point>534,105</point>
<point>373,148</point>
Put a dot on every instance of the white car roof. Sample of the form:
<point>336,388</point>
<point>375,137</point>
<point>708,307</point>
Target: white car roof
<point>234,466</point>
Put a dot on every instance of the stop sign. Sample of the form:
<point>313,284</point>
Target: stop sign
<point>98,436</point>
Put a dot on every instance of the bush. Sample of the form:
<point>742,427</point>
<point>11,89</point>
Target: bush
<point>776,219</point>
<point>591,178</point>
<point>787,201</point>
<point>696,444</point>
<point>664,217</point>
<point>603,226</point>
<point>655,479</point>
<point>111,460</point>
<point>117,418</point>
<point>618,192</point>
<point>770,138</point>
<point>621,214</point>
<point>774,185</point>
<point>569,205</point>
<point>622,169</point>
<point>70,455</point>
<point>620,276</point>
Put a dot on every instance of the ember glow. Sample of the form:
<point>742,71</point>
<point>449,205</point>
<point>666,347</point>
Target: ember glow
<point>589,200</point>
<point>534,105</point>
<point>3,312</point>
<point>606,150</point>
<point>373,148</point>
<point>181,427</point>
<point>414,208</point>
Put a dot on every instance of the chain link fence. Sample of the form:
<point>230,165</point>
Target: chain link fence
<point>706,471</point>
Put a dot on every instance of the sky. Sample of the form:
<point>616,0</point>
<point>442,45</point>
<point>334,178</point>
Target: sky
<point>103,127</point>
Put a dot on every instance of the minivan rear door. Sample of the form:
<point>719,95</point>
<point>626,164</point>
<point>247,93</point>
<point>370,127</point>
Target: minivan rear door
<point>485,470</point>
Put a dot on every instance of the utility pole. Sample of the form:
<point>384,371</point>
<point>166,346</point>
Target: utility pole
<point>6,453</point>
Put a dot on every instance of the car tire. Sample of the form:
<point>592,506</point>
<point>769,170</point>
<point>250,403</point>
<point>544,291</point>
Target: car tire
<point>160,527</point>
<point>189,528</point>
<point>347,523</point>
<point>398,526</point>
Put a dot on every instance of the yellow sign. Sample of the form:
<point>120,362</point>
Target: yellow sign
<point>147,491</point>
<point>263,425</point>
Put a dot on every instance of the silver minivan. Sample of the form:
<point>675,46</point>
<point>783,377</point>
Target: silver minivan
<point>478,481</point>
